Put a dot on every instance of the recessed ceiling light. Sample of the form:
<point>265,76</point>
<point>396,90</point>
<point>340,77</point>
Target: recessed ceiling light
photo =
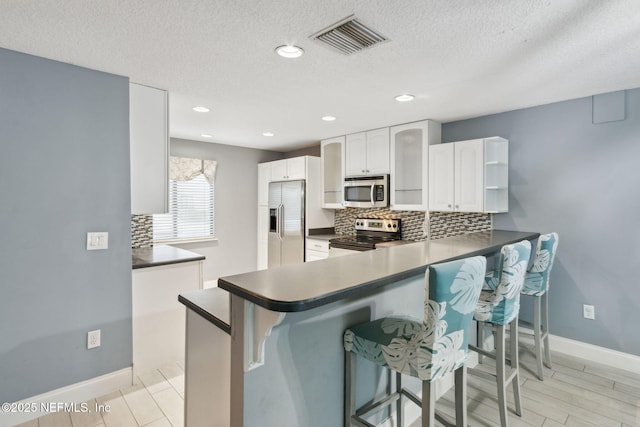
<point>328,118</point>
<point>267,134</point>
<point>405,98</point>
<point>201,109</point>
<point>289,51</point>
<point>206,135</point>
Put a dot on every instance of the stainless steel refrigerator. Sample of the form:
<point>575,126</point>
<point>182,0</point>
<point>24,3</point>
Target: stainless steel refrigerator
<point>286,223</point>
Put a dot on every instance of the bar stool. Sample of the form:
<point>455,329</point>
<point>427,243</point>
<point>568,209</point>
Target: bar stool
<point>498,308</point>
<point>536,284</point>
<point>427,349</point>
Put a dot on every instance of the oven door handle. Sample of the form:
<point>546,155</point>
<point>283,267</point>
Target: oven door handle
<point>371,195</point>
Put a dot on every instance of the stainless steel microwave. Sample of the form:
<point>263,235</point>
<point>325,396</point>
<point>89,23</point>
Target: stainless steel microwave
<point>367,192</point>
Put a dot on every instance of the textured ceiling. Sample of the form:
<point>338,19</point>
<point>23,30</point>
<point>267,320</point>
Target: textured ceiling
<point>460,58</point>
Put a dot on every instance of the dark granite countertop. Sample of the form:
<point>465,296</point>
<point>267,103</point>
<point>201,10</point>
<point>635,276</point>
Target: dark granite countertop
<point>161,255</point>
<point>301,287</point>
<point>212,304</point>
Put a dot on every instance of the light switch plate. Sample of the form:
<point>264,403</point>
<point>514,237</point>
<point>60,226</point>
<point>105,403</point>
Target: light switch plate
<point>97,240</point>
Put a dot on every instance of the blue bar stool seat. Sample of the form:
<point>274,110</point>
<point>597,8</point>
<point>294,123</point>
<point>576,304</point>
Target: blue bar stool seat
<point>427,349</point>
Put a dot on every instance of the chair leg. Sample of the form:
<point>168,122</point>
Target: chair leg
<point>537,335</point>
<point>515,365</point>
<point>480,339</point>
<point>461,396</point>
<point>545,328</point>
<point>349,389</point>
<point>428,404</point>
<point>500,374</point>
<point>399,401</point>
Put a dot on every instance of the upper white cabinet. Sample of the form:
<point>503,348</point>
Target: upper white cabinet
<point>332,159</point>
<point>149,149</point>
<point>470,176</point>
<point>288,169</point>
<point>409,161</point>
<point>264,177</point>
<point>367,153</point>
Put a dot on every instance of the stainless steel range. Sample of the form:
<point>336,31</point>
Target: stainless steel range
<point>370,233</point>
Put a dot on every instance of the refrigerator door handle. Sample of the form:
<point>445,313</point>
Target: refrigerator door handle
<point>281,221</point>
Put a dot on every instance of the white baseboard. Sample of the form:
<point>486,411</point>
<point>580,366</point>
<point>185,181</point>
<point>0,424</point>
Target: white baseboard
<point>594,353</point>
<point>74,393</point>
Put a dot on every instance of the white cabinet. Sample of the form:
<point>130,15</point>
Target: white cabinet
<point>158,319</point>
<point>149,149</point>
<point>409,158</point>
<point>367,153</point>
<point>316,249</point>
<point>470,176</point>
<point>332,166</point>
<point>288,169</point>
<point>264,177</point>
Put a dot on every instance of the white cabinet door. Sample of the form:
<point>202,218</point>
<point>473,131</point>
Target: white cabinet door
<point>149,149</point>
<point>355,154</point>
<point>409,162</point>
<point>378,152</point>
<point>288,169</point>
<point>263,237</point>
<point>296,168</point>
<point>332,159</point>
<point>264,176</point>
<point>441,188</point>
<point>469,175</point>
<point>278,170</point>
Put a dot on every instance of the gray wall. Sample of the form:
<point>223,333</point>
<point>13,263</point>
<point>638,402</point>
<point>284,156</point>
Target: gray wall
<point>236,205</point>
<point>313,151</point>
<point>581,180</point>
<point>64,171</point>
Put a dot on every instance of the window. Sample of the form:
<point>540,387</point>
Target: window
<point>191,203</point>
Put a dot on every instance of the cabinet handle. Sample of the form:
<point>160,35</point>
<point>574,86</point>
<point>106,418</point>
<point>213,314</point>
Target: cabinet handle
<point>448,206</point>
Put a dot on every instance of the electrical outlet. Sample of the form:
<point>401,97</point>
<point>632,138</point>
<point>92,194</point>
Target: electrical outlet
<point>588,311</point>
<point>93,339</point>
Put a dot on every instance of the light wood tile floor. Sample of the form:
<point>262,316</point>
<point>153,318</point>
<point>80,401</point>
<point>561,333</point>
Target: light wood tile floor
<point>574,393</point>
<point>156,401</point>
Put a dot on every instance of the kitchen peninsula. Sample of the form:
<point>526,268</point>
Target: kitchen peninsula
<point>265,348</point>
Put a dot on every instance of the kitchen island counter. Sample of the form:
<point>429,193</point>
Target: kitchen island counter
<point>270,348</point>
<point>302,287</point>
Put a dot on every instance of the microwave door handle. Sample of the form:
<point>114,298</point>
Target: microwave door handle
<point>371,195</point>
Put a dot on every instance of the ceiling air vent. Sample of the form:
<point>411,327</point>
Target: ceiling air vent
<point>349,36</point>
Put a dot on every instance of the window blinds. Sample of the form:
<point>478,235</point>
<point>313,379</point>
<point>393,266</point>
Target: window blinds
<point>191,211</point>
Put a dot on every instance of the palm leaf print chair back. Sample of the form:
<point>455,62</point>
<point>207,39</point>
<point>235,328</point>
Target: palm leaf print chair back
<point>536,282</point>
<point>498,308</point>
<point>427,349</point>
<point>502,304</point>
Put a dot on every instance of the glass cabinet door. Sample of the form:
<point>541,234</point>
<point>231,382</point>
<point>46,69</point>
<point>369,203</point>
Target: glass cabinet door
<point>410,162</point>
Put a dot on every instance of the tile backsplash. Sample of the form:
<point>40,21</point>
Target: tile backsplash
<point>439,224</point>
<point>141,231</point>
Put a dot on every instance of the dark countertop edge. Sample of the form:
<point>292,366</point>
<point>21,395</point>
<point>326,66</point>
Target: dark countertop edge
<point>308,304</point>
<point>214,309</point>
<point>146,257</point>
